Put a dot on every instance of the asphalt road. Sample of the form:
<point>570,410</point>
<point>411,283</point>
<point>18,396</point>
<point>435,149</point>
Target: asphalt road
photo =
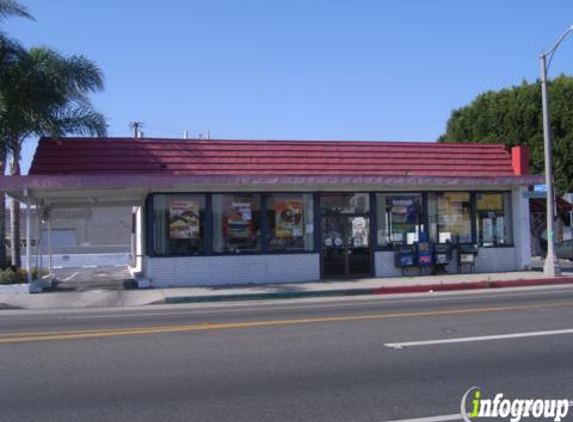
<point>320,360</point>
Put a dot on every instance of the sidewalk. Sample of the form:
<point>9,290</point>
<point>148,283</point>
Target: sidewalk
<point>327,288</point>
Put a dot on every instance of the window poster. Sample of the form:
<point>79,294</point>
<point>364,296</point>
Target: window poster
<point>492,202</point>
<point>403,211</point>
<point>487,230</point>
<point>453,213</point>
<point>239,219</point>
<point>500,229</point>
<point>288,218</point>
<point>403,218</point>
<point>184,219</point>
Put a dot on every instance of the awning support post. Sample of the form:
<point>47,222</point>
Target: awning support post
<point>38,228</point>
<point>50,265</point>
<point>28,238</point>
<point>39,249</point>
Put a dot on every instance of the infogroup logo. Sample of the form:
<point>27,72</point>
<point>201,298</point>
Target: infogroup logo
<point>515,410</point>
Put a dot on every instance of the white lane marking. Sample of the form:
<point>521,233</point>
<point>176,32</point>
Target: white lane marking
<point>70,277</point>
<point>478,338</point>
<point>456,417</point>
<point>89,266</point>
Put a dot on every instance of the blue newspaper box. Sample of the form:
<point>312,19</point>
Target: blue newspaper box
<point>424,250</point>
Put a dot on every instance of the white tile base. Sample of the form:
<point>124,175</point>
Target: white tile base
<point>221,270</point>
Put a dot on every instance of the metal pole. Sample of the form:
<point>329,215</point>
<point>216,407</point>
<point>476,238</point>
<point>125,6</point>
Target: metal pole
<point>551,267</point>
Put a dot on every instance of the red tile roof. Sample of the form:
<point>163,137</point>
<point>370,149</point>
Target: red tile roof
<point>74,156</point>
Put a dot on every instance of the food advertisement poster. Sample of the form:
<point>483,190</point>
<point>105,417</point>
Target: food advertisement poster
<point>403,211</point>
<point>184,220</point>
<point>288,218</point>
<point>239,218</point>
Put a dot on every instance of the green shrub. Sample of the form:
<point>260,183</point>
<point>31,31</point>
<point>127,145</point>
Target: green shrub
<point>9,276</point>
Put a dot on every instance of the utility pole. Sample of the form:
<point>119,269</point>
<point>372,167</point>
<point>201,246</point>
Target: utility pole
<point>135,126</point>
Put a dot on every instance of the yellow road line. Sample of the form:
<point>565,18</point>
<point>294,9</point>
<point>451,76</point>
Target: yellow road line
<point>10,338</point>
<point>86,331</point>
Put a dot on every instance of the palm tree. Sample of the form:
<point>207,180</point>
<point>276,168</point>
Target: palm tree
<point>10,52</point>
<point>46,94</point>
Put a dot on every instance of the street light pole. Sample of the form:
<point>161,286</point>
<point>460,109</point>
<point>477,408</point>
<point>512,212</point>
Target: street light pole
<point>551,267</point>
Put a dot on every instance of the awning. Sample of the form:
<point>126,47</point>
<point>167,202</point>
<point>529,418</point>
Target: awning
<point>539,205</point>
<point>123,190</point>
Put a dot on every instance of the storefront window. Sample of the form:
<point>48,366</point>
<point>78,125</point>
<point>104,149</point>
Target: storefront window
<point>450,217</point>
<point>179,224</point>
<point>290,222</point>
<point>400,218</point>
<point>493,215</point>
<point>345,203</point>
<point>236,223</point>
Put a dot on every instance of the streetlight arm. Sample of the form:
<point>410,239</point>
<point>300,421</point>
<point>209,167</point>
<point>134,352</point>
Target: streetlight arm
<point>549,53</point>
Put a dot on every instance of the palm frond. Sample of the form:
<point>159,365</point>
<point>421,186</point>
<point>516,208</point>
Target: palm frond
<point>84,121</point>
<point>13,8</point>
<point>72,76</point>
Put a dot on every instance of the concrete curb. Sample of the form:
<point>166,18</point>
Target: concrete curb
<point>367,291</point>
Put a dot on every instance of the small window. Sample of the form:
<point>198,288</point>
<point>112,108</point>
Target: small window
<point>400,219</point>
<point>179,224</point>
<point>236,223</point>
<point>493,213</point>
<point>290,222</point>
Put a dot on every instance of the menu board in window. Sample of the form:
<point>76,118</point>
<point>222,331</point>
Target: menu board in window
<point>288,218</point>
<point>184,219</point>
<point>239,220</point>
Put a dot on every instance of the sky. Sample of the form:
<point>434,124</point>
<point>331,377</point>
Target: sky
<point>298,69</point>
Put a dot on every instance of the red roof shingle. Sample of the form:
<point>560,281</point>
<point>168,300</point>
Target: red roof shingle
<point>237,157</point>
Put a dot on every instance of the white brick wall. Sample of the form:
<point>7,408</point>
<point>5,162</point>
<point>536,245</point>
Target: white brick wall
<point>242,269</point>
<point>384,265</point>
<point>491,260</point>
<point>260,269</point>
<point>488,260</point>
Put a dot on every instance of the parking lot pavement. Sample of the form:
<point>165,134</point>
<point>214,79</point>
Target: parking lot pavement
<point>93,278</point>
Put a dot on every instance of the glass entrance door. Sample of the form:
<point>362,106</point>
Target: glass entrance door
<point>345,246</point>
